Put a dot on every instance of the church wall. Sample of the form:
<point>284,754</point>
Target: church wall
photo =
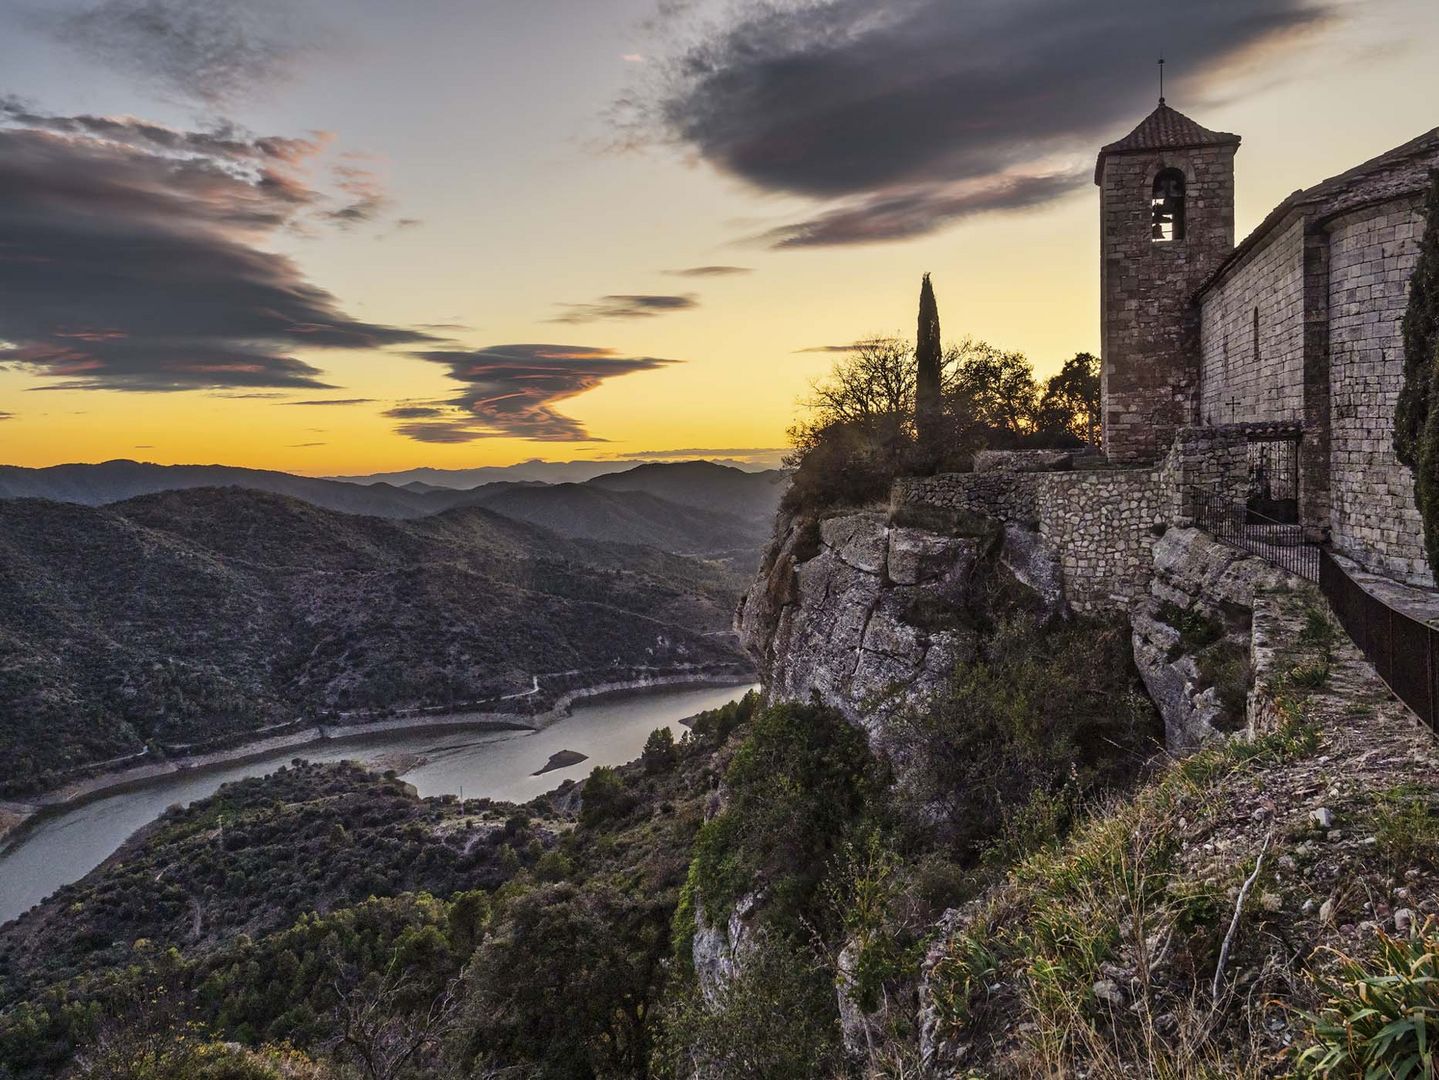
<point>1371,256</point>
<point>1252,337</point>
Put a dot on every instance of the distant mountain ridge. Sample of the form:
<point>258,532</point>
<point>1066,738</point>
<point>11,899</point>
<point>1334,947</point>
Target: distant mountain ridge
<point>690,507</point>
<point>182,617</point>
<point>546,472</point>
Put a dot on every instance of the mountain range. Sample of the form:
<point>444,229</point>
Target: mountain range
<point>693,507</point>
<point>184,617</point>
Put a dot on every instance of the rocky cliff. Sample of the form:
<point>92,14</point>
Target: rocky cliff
<point>870,610</point>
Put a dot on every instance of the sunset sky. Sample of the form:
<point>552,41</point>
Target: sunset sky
<point>346,236</point>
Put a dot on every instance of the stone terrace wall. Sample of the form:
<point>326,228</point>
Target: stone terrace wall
<point>1103,525</point>
<point>1372,254</point>
<point>1253,367</point>
<point>1008,496</point>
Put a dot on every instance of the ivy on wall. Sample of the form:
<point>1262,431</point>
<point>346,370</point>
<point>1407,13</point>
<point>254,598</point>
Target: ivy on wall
<point>1416,422</point>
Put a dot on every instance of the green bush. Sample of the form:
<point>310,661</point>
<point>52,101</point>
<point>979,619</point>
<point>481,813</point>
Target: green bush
<point>1380,1018</point>
<point>659,752</point>
<point>1043,709</point>
<point>1421,338</point>
<point>796,783</point>
<point>604,797</point>
<point>775,1019</point>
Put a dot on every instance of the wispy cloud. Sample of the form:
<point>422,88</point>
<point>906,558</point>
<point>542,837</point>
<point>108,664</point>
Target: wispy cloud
<point>365,196</point>
<point>851,347</point>
<point>513,391</point>
<point>901,118</point>
<point>710,271</point>
<point>211,51</point>
<point>332,401</point>
<point>625,306</point>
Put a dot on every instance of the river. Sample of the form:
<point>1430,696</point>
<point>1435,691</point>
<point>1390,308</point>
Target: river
<point>66,845</point>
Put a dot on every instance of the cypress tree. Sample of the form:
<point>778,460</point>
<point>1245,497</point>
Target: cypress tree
<point>928,354</point>
<point>1421,336</point>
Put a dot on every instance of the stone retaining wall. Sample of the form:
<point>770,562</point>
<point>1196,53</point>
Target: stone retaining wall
<point>1008,496</point>
<point>1103,525</point>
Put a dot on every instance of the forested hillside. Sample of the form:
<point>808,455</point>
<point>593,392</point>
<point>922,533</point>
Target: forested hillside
<point>185,617</point>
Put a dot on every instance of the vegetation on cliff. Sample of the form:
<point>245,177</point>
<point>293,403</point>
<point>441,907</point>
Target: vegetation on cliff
<point>1416,419</point>
<point>859,431</point>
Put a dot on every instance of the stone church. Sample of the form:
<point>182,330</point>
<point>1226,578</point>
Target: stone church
<point>1284,351</point>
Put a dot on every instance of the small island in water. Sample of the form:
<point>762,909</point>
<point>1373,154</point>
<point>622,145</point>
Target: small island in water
<point>560,760</point>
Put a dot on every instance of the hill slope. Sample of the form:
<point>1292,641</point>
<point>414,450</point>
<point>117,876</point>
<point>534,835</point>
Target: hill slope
<point>184,617</point>
<point>704,484</point>
<point>587,511</point>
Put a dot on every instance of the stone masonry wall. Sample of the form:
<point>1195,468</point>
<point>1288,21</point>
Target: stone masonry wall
<point>1374,521</point>
<point>1008,496</point>
<point>1102,525</point>
<point>1252,336</point>
<point>1149,329</point>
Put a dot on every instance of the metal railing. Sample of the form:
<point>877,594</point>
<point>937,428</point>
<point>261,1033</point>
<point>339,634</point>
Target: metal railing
<point>1281,543</point>
<point>1403,650</point>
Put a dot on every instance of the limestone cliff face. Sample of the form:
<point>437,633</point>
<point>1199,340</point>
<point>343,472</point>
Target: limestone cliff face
<point>1192,634</point>
<point>871,615</point>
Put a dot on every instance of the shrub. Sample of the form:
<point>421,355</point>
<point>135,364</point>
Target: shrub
<point>1045,709</point>
<point>1421,337</point>
<point>1380,1018</point>
<point>604,797</point>
<point>776,1018</point>
<point>795,785</point>
<point>659,752</point>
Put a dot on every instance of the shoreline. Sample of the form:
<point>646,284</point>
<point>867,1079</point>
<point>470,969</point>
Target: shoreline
<point>18,817</point>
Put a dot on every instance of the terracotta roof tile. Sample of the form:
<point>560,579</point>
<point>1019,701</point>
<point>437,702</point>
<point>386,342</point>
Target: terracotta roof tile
<point>1164,129</point>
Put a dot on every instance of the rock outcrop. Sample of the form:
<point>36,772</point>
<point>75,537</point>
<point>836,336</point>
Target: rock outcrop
<point>870,615</point>
<point>1192,634</point>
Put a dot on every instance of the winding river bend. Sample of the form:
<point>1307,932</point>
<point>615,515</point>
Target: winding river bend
<point>65,846</point>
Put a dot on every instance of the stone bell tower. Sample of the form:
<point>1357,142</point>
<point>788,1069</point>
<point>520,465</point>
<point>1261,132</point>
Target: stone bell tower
<point>1166,209</point>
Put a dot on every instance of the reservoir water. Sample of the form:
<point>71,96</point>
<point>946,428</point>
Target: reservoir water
<point>66,845</point>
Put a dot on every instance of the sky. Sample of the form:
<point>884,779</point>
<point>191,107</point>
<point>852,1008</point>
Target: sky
<point>351,236</point>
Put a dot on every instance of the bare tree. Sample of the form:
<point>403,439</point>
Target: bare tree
<point>382,1027</point>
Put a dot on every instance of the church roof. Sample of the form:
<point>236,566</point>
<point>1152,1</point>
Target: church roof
<point>1164,129</point>
<point>1402,172</point>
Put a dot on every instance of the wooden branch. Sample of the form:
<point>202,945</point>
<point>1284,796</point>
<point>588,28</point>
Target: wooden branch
<point>1234,922</point>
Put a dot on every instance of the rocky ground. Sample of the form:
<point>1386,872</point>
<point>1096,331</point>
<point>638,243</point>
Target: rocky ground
<point>1109,950</point>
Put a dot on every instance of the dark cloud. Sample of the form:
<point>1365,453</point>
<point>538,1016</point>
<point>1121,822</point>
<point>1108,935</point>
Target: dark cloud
<point>416,412</point>
<point>512,391</point>
<point>710,271</point>
<point>333,401</point>
<point>212,51</point>
<point>896,215</point>
<point>920,112</point>
<point>7,416</point>
<point>130,258</point>
<point>625,306</point>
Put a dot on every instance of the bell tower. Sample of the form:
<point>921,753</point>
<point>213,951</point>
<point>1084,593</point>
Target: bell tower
<point>1166,222</point>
